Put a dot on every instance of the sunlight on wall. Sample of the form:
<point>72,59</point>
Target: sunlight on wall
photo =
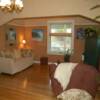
<point>20,39</point>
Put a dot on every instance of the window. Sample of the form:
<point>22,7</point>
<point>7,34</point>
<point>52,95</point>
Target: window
<point>60,37</point>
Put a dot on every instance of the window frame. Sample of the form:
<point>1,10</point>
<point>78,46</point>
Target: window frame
<point>59,34</point>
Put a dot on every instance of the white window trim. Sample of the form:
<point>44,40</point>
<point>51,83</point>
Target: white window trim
<point>48,37</point>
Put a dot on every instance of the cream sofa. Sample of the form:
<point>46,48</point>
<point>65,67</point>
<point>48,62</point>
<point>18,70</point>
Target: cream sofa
<point>12,65</point>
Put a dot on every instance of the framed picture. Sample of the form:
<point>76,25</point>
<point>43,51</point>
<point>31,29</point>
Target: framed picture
<point>11,35</point>
<point>37,34</point>
<point>80,33</point>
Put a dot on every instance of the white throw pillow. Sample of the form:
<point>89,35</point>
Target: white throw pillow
<point>2,53</point>
<point>9,54</point>
<point>75,94</point>
<point>17,53</point>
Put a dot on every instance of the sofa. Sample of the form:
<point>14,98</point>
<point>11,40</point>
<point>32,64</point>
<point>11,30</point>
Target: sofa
<point>15,61</point>
<point>83,77</point>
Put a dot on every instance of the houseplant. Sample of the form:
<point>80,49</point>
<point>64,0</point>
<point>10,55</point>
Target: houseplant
<point>67,55</point>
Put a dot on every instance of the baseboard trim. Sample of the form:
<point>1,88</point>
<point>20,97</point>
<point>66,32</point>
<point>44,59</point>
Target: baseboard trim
<point>38,62</point>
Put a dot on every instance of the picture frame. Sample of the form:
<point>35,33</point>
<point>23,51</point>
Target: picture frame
<point>38,34</point>
<point>11,36</point>
<point>80,33</point>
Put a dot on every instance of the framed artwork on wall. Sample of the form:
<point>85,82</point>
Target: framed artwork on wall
<point>38,34</point>
<point>11,36</point>
<point>80,33</point>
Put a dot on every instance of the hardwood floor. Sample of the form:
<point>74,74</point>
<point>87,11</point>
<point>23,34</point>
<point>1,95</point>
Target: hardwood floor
<point>30,84</point>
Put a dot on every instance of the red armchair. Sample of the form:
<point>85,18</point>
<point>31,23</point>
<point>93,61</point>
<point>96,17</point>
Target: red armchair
<point>83,77</point>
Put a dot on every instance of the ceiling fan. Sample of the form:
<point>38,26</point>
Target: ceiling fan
<point>96,7</point>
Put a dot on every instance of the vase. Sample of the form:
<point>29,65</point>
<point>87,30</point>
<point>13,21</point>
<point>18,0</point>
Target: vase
<point>66,58</point>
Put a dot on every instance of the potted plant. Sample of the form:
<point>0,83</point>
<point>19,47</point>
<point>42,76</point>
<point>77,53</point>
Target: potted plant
<point>67,55</point>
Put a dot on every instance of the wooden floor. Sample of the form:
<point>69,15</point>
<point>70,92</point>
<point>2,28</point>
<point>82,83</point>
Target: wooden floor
<point>30,84</point>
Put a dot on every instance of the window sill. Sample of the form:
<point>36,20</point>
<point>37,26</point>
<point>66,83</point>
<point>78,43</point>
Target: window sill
<point>55,53</point>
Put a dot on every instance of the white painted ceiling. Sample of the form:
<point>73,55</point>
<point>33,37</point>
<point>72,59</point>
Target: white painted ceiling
<point>40,8</point>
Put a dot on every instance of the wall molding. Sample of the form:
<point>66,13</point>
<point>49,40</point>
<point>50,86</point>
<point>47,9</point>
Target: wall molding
<point>38,62</point>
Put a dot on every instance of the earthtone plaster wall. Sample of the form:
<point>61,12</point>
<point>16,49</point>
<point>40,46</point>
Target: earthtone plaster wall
<point>40,47</point>
<point>2,37</point>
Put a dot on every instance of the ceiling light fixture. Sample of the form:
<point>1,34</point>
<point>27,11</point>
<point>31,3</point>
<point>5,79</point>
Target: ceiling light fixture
<point>11,5</point>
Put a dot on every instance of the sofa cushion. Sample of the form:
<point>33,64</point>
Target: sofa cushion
<point>17,53</point>
<point>26,53</point>
<point>75,94</point>
<point>9,54</point>
<point>2,54</point>
<point>84,77</point>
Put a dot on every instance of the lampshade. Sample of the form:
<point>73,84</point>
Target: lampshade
<point>24,41</point>
<point>11,5</point>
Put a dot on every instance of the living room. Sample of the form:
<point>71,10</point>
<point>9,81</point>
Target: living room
<point>37,16</point>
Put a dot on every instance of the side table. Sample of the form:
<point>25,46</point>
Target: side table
<point>44,60</point>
